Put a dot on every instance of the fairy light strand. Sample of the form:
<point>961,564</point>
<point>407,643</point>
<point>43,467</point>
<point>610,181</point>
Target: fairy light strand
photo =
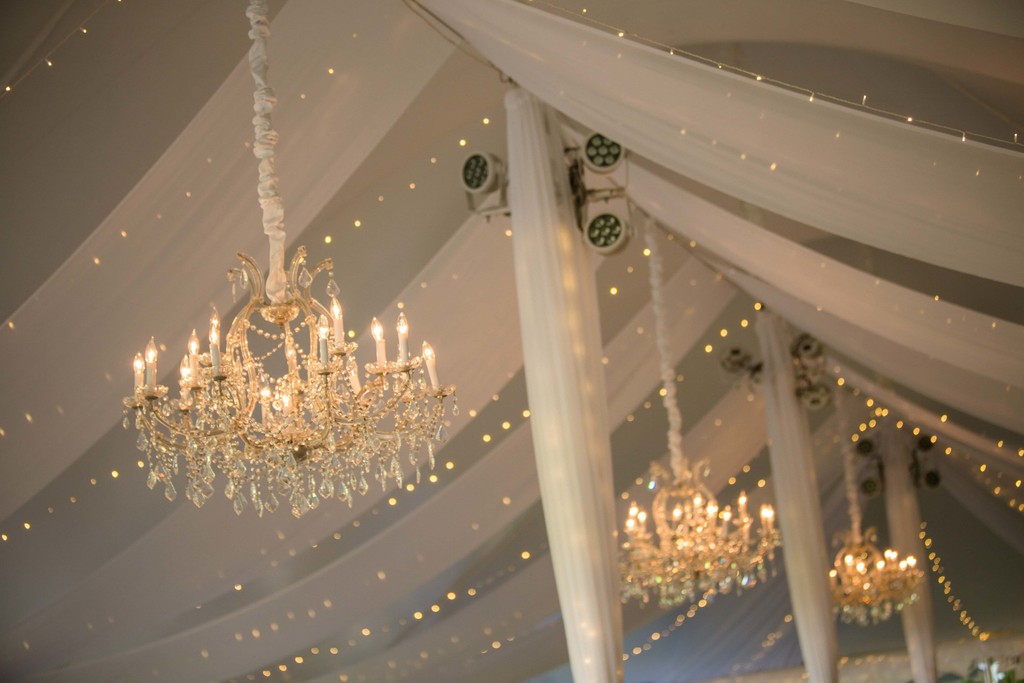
<point>956,604</point>
<point>811,95</point>
<point>48,59</point>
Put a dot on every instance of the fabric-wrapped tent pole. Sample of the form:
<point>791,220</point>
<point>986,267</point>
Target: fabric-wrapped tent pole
<point>565,384</point>
<point>796,495</point>
<point>904,519</point>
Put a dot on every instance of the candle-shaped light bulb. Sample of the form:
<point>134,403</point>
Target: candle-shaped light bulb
<point>139,366</point>
<point>742,500</point>
<point>712,510</point>
<point>323,331</point>
<point>642,516</point>
<point>911,560</point>
<point>151,363</point>
<point>339,322</point>
<point>403,338</point>
<point>677,512</point>
<point>848,560</point>
<point>698,500</point>
<point>431,361</point>
<point>880,564</point>
<point>215,342</point>
<point>377,330</point>
<point>185,368</point>
<point>193,355</point>
<point>630,524</point>
<point>633,510</point>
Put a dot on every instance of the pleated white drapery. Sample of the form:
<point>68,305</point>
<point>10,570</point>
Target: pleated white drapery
<point>904,519</point>
<point>799,507</point>
<point>884,183</point>
<point>565,384</point>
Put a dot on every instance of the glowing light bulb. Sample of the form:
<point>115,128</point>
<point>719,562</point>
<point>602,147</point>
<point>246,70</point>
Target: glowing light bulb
<point>151,356</point>
<point>215,342</point>
<point>339,322</point>
<point>430,359</point>
<point>139,366</point>
<point>193,343</point>
<point>403,338</point>
<point>377,330</point>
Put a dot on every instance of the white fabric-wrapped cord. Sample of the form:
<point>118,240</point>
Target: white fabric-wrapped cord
<point>263,149</point>
<point>666,371</point>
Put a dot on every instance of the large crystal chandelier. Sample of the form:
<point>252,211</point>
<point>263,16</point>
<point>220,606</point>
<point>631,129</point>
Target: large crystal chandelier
<point>698,547</point>
<point>868,585</point>
<point>284,410</point>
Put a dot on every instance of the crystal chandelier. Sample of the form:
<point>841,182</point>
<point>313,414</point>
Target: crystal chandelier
<point>697,548</point>
<point>276,416</point>
<point>867,584</point>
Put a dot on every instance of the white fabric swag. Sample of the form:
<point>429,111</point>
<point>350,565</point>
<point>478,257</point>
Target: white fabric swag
<point>884,183</point>
<point>796,494</point>
<point>565,383</point>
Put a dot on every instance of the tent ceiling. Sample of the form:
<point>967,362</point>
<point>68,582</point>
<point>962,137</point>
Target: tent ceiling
<point>111,582</point>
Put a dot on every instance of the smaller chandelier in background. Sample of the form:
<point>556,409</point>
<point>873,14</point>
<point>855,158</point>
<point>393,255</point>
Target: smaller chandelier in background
<point>698,548</point>
<point>869,585</point>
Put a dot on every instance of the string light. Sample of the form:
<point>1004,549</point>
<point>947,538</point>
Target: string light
<point>80,30</point>
<point>955,603</point>
<point>775,82</point>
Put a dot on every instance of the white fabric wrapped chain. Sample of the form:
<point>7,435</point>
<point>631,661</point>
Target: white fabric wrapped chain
<point>263,148</point>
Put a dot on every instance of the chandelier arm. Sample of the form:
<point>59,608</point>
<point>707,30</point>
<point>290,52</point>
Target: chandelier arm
<point>263,148</point>
<point>666,371</point>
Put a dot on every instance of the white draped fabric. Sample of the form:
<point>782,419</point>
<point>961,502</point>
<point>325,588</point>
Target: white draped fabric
<point>904,519</point>
<point>799,509</point>
<point>565,383</point>
<point>978,343</point>
<point>995,402</point>
<point>880,182</point>
<point>927,419</point>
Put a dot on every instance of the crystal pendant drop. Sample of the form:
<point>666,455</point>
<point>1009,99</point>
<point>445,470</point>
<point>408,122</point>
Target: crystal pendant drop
<point>326,488</point>
<point>305,279</point>
<point>441,435</point>
<point>151,479</point>
<point>125,422</point>
<point>229,490</point>
<point>272,503</point>
<point>332,287</point>
<point>142,443</point>
<point>363,486</point>
<point>170,493</point>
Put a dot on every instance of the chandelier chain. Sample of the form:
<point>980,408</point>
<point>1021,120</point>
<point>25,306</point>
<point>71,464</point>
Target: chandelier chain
<point>263,148</point>
<point>667,372</point>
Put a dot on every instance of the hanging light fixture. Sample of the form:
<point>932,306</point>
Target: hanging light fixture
<point>274,415</point>
<point>698,547</point>
<point>868,585</point>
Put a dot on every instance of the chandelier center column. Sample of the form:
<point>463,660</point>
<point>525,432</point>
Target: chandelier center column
<point>796,495</point>
<point>565,383</point>
<point>904,519</point>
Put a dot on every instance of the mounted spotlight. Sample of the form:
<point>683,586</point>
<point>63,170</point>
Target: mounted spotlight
<point>815,396</point>
<point>607,233</point>
<point>482,175</point>
<point>865,447</point>
<point>602,155</point>
<point>871,486</point>
<point>735,360</point>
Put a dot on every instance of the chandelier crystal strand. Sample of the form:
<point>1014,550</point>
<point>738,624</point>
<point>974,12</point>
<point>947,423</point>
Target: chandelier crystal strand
<point>285,413</point>
<point>697,547</point>
<point>868,585</point>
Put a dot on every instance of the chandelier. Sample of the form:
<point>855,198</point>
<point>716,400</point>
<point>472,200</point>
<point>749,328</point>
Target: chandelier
<point>697,547</point>
<point>868,585</point>
<point>284,410</point>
